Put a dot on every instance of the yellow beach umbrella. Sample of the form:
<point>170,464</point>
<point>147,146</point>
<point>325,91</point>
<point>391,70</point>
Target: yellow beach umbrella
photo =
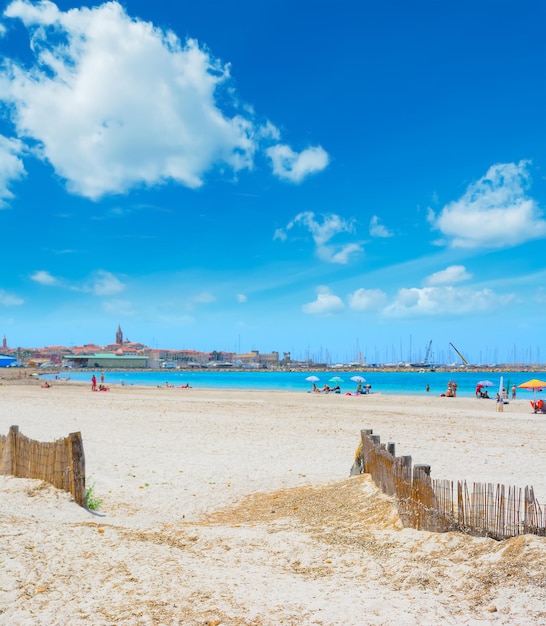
<point>533,384</point>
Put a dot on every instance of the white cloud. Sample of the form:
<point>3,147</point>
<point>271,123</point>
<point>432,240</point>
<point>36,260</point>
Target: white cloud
<point>105,284</point>
<point>430,301</point>
<point>44,278</point>
<point>204,298</point>
<point>8,299</point>
<point>325,304</point>
<point>338,254</point>
<point>377,229</point>
<point>241,297</point>
<point>365,299</point>
<point>113,103</point>
<point>494,212</point>
<point>294,166</point>
<point>322,233</point>
<point>11,166</point>
<point>280,233</point>
<point>451,275</point>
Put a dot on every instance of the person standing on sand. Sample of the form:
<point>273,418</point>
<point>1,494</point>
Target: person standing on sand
<point>102,378</point>
<point>93,383</point>
<point>454,388</point>
<point>513,392</point>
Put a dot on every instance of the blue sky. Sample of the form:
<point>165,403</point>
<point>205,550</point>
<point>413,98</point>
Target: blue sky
<point>325,178</point>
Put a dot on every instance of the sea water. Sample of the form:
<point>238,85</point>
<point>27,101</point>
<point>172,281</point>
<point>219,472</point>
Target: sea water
<point>411,382</point>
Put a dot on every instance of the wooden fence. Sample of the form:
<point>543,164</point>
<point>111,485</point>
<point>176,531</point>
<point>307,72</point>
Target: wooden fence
<point>61,462</point>
<point>439,505</point>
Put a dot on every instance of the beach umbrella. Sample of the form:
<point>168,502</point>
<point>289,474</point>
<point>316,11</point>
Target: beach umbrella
<point>358,379</point>
<point>533,384</point>
<point>313,379</point>
<point>485,383</point>
<point>336,379</point>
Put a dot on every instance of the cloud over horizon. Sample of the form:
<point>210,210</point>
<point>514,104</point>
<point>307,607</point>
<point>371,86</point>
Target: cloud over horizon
<point>326,303</point>
<point>494,212</point>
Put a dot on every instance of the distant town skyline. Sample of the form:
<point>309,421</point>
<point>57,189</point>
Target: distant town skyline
<point>429,354</point>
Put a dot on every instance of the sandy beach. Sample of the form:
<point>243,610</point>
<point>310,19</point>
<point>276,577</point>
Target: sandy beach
<point>237,508</point>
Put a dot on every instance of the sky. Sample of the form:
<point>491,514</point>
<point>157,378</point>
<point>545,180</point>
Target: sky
<point>338,180</point>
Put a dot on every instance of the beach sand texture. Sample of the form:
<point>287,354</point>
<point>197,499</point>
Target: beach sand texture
<point>236,508</point>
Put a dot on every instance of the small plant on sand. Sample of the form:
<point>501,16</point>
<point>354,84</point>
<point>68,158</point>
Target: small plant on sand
<point>93,502</point>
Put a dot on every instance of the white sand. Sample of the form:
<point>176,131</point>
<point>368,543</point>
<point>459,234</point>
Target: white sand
<point>236,508</point>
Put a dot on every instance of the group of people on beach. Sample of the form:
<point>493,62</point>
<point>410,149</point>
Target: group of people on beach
<point>101,386</point>
<point>360,390</point>
<point>326,389</point>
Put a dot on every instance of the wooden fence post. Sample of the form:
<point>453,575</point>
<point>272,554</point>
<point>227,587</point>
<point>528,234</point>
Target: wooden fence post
<point>77,469</point>
<point>13,438</point>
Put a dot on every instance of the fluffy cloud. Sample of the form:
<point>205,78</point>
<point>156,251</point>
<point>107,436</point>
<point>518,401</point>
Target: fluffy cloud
<point>451,275</point>
<point>377,229</point>
<point>325,304</point>
<point>113,103</point>
<point>44,278</point>
<point>365,299</point>
<point>322,233</point>
<point>11,166</point>
<point>241,298</point>
<point>105,284</point>
<point>494,212</point>
<point>293,166</point>
<point>443,300</point>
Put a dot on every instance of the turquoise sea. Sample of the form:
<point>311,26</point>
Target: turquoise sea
<point>411,382</point>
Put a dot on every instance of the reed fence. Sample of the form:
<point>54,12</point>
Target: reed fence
<point>486,510</point>
<point>60,462</point>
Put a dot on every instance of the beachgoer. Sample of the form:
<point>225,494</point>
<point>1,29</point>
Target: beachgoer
<point>93,383</point>
<point>326,388</point>
<point>315,388</point>
<point>454,388</point>
<point>427,388</point>
<point>359,388</point>
<point>513,392</point>
<point>102,378</point>
<point>500,402</point>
